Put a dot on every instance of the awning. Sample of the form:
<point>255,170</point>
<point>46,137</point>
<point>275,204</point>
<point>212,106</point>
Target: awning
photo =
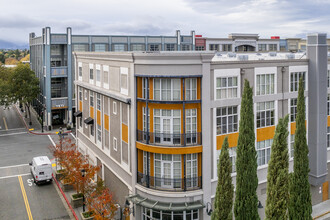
<point>165,206</point>
<point>77,114</point>
<point>89,121</point>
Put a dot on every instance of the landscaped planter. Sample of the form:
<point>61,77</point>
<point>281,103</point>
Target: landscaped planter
<point>76,200</point>
<point>66,187</point>
<point>87,215</point>
<point>59,174</point>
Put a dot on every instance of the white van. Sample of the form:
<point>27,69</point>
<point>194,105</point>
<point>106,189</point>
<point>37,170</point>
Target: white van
<point>41,169</point>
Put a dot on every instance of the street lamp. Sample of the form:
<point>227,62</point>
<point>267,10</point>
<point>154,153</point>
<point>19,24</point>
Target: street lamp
<point>209,208</point>
<point>83,171</point>
<point>60,134</point>
<point>42,117</point>
<point>127,210</point>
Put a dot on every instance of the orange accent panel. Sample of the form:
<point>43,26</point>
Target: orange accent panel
<point>198,88</point>
<point>98,117</point>
<point>124,132</point>
<point>182,125</point>
<point>151,120</point>
<point>60,107</point>
<point>151,89</point>
<point>293,126</point>
<point>80,106</point>
<point>232,140</point>
<point>106,122</point>
<point>199,161</point>
<point>182,167</point>
<point>328,121</point>
<point>181,81</point>
<point>140,160</point>
<point>325,191</point>
<point>139,87</point>
<point>265,133</point>
<point>91,112</point>
<point>169,150</point>
<point>151,164</point>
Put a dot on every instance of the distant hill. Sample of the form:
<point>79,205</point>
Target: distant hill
<point>9,45</point>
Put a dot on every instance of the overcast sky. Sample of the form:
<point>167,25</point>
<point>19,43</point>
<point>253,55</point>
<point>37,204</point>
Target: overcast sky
<point>211,18</point>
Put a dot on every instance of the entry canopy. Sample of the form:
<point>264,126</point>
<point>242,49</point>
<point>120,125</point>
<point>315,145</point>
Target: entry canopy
<point>165,206</point>
<point>77,114</point>
<point>89,121</point>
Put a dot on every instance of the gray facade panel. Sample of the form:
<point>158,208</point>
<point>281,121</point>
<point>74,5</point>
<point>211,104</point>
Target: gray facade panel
<point>118,39</point>
<point>163,69</point>
<point>80,39</point>
<point>114,74</point>
<point>153,40</point>
<point>125,152</point>
<point>100,39</point>
<point>137,40</point>
<point>85,112</point>
<point>115,130</point>
<point>124,113</point>
<point>170,40</point>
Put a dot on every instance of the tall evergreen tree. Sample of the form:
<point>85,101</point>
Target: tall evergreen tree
<point>300,205</point>
<point>223,204</point>
<point>246,200</point>
<point>278,174</point>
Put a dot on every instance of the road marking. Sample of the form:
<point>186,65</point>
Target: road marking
<point>51,140</point>
<point>73,136</point>
<point>13,134</point>
<point>30,182</point>
<point>19,165</point>
<point>6,177</point>
<point>28,210</point>
<point>4,121</point>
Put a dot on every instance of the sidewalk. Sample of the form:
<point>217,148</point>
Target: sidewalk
<point>321,211</point>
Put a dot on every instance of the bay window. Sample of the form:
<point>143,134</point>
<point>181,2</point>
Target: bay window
<point>167,89</point>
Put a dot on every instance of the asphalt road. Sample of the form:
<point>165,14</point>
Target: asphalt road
<point>20,198</point>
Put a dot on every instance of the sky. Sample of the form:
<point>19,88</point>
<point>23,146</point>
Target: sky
<point>210,18</point>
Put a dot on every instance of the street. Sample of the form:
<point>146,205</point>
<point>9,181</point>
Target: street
<point>20,197</point>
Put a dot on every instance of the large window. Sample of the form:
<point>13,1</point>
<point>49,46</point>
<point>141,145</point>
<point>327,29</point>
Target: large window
<point>262,47</point>
<point>150,214</point>
<point>227,47</point>
<point>167,89</point>
<point>328,138</point>
<point>100,47</point>
<point>98,77</point>
<point>291,145</point>
<point>154,47</point>
<point>185,47</point>
<point>232,157</point>
<point>272,47</point>
<point>91,74</point>
<point>265,84</point>
<point>294,80</point>
<point>145,163</point>
<point>214,47</point>
<point>98,102</point>
<point>118,47</point>
<point>167,126</point>
<point>293,109</point>
<point>227,120</point>
<point>263,151</point>
<point>265,114</point>
<point>168,170</point>
<point>328,105</point>
<point>170,47</point>
<point>99,133</point>
<point>137,47</point>
<point>191,88</point>
<point>80,71</point>
<point>191,126</point>
<point>191,170</point>
<point>80,95</point>
<point>91,99</point>
<point>226,87</point>
<point>199,48</point>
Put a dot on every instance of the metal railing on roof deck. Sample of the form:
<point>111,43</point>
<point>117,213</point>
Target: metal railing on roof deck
<point>59,71</point>
<point>170,139</point>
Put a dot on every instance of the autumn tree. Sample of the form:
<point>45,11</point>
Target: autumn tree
<point>102,204</point>
<point>246,199</point>
<point>278,174</point>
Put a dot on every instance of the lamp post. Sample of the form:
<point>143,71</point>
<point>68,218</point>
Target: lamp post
<point>42,117</point>
<point>83,171</point>
<point>127,210</point>
<point>60,134</point>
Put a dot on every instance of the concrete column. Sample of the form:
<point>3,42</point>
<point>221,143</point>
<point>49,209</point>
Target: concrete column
<point>47,42</point>
<point>178,35</point>
<point>317,107</point>
<point>193,40</point>
<point>70,75</point>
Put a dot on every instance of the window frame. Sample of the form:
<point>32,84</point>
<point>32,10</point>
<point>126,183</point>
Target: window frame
<point>91,73</point>
<point>264,149</point>
<point>265,111</point>
<point>270,86</point>
<point>114,144</point>
<point>191,92</point>
<point>161,89</point>
<point>227,116</point>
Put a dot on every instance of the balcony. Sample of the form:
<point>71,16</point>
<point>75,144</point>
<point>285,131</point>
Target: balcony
<point>59,103</point>
<point>59,71</point>
<point>167,139</point>
<point>167,184</point>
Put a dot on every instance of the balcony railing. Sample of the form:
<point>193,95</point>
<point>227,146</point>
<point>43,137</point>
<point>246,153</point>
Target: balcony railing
<point>168,184</point>
<point>59,71</point>
<point>168,139</point>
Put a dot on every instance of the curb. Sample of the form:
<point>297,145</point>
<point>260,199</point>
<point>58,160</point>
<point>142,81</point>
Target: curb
<point>319,216</point>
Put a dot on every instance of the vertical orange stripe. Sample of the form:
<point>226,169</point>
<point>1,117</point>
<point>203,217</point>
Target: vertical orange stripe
<point>182,166</point>
<point>181,89</point>
<point>199,158</point>
<point>151,164</point>
<point>198,88</point>
<point>151,89</point>
<point>124,132</point>
<point>80,106</point>
<point>139,87</point>
<point>151,110</point>
<point>106,122</point>
<point>140,160</point>
<point>91,112</point>
<point>98,117</point>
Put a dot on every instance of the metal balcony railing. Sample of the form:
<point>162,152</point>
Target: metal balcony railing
<point>59,71</point>
<point>168,139</point>
<point>169,184</point>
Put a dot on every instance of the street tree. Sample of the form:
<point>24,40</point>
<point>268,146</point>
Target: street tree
<point>278,174</point>
<point>300,205</point>
<point>5,87</point>
<point>246,199</point>
<point>225,190</point>
<point>102,204</point>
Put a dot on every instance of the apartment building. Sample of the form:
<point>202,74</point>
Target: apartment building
<point>155,122</point>
<point>51,59</point>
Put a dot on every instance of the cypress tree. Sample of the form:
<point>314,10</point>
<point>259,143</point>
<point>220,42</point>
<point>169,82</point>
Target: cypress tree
<point>246,200</point>
<point>225,190</point>
<point>278,174</point>
<point>300,205</point>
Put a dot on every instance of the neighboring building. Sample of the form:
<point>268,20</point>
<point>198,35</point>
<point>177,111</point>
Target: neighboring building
<point>155,122</point>
<point>52,62</point>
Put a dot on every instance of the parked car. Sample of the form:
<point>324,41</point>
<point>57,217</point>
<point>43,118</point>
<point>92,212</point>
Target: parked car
<point>41,169</point>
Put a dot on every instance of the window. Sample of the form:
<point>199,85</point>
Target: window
<point>168,170</point>
<point>199,48</point>
<point>124,80</point>
<point>99,132</point>
<point>328,82</point>
<point>227,120</point>
<point>100,47</point>
<point>80,71</point>
<point>191,126</point>
<point>328,105</point>
<point>80,47</point>
<point>80,121</point>
<point>262,47</point>
<point>145,119</point>
<point>145,162</point>
<point>191,88</point>
<point>86,93</point>
<point>115,143</point>
<point>167,89</point>
<point>191,170</point>
<point>154,47</point>
<point>98,77</point>
<point>185,47</point>
<point>170,47</point>
<point>137,47</point>
<point>91,99</point>
<point>265,114</point>
<point>92,130</point>
<point>291,145</point>
<point>119,47</point>
<point>106,78</point>
<point>149,214</point>
<point>328,138</point>
<point>263,151</point>
<point>98,102</point>
<point>80,94</point>
<point>144,87</point>
<point>114,108</point>
<point>272,47</point>
<point>91,74</point>
<point>232,157</point>
<point>226,87</point>
<point>265,84</point>
<point>214,47</point>
<point>293,109</point>
<point>294,80</point>
<point>167,126</point>
<point>227,47</point>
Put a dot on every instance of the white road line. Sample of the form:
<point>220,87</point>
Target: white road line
<point>13,134</point>
<point>6,177</point>
<point>51,140</point>
<point>73,136</point>
<point>19,165</point>
<point>13,129</point>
